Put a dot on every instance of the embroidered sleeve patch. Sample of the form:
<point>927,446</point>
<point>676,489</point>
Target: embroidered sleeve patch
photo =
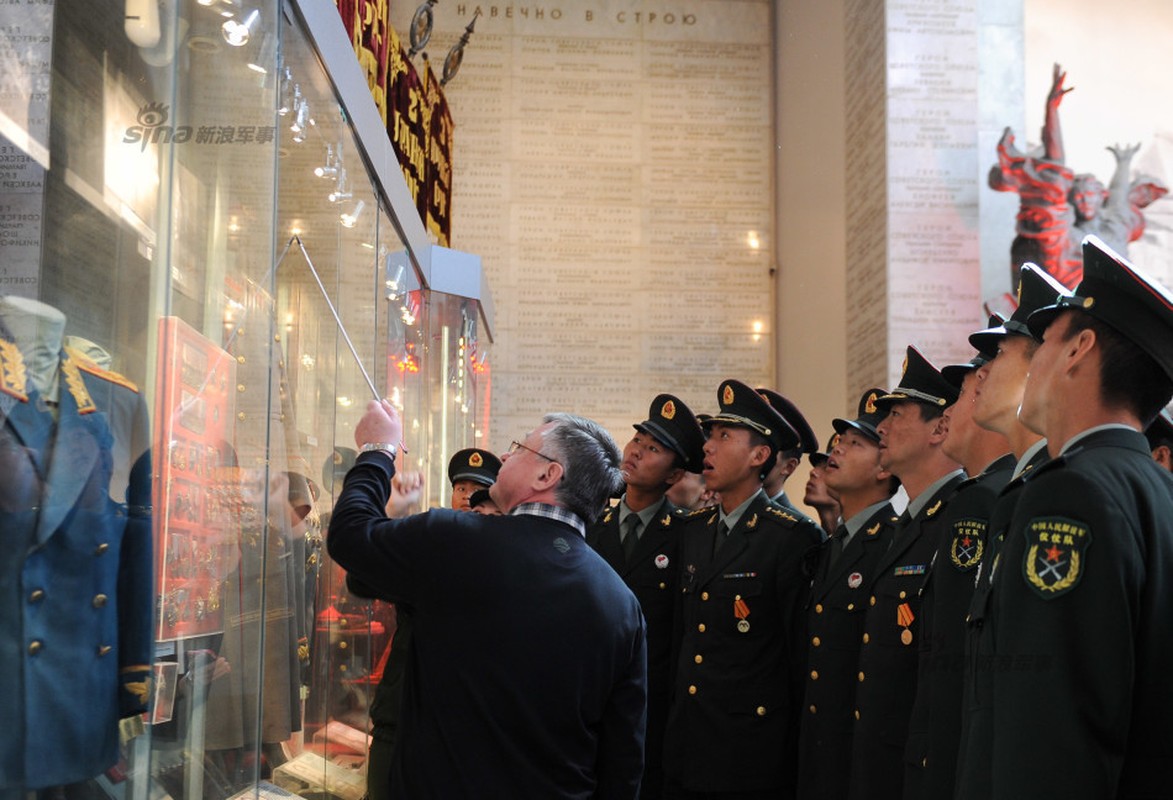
<point>1056,550</point>
<point>968,543</point>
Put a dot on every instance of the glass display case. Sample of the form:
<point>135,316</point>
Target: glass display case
<point>209,266</point>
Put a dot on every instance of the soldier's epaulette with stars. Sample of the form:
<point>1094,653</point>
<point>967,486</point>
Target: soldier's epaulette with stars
<point>85,365</point>
<point>788,519</point>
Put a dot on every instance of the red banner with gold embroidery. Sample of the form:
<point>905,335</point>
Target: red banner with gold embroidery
<point>437,205</point>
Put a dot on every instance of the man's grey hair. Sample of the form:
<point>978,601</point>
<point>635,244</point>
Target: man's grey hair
<point>590,462</point>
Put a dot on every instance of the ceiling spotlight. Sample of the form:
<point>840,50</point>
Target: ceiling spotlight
<point>236,33</point>
<point>341,189</point>
<point>349,220</point>
<point>330,168</point>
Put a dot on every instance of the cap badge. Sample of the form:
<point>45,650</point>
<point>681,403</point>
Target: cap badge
<point>727,395</point>
<point>869,406</point>
<point>475,460</point>
<point>834,441</point>
<point>661,561</point>
<point>669,410</point>
<point>854,580</point>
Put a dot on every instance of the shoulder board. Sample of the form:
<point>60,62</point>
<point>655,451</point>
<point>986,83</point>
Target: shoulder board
<point>1031,474</point>
<point>782,515</point>
<point>85,365</point>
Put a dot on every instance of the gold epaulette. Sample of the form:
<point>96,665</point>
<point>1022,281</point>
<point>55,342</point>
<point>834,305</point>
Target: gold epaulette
<point>784,515</point>
<point>86,365</point>
<point>698,512</point>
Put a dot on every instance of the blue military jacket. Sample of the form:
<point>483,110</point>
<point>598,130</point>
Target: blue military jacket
<point>75,579</point>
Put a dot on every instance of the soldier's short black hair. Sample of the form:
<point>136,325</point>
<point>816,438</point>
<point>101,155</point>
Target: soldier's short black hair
<point>1129,377</point>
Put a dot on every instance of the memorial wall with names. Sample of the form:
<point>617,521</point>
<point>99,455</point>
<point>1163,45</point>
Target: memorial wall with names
<point>612,167</point>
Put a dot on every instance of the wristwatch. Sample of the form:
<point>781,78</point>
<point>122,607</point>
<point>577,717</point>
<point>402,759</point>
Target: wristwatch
<point>385,447</point>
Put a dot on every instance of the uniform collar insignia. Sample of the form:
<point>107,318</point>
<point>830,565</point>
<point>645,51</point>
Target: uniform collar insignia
<point>607,518</point>
<point>872,531</point>
<point>933,509</point>
<point>666,521</point>
<point>13,379</point>
<point>77,386</point>
<point>753,523</point>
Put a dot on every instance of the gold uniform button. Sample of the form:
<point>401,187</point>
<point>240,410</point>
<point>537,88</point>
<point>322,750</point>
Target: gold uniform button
<point>861,677</point>
<point>240,387</point>
<point>104,649</point>
<point>102,548</point>
<point>736,597</point>
<point>814,709</point>
<point>903,595</point>
<point>814,674</point>
<point>872,600</point>
<point>35,646</point>
<point>701,627</point>
<point>924,762</point>
<point>240,416</point>
<point>866,638</point>
<point>704,595</point>
<point>342,645</point>
<point>240,359</point>
<point>818,608</point>
<point>663,585</point>
<point>851,606</point>
<point>692,689</point>
<point>816,641</point>
<point>100,600</point>
<point>761,710</point>
<point>36,595</point>
<point>698,658</point>
<point>857,713</point>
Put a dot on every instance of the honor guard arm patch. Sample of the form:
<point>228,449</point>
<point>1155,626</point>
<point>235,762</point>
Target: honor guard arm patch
<point>967,543</point>
<point>1056,555</point>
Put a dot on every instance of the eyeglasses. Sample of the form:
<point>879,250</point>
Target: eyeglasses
<point>515,446</point>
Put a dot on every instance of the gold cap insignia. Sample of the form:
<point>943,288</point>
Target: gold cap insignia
<point>869,405</point>
<point>834,441</point>
<point>669,410</point>
<point>475,460</point>
<point>727,395</point>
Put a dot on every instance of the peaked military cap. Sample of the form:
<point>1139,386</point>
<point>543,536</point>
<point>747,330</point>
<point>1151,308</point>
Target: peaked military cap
<point>671,423</point>
<point>806,434</point>
<point>867,418</point>
<point>478,497</point>
<point>474,464</point>
<point>820,458</point>
<point>920,381</point>
<point>742,406</point>
<point>1036,288</point>
<point>955,373</point>
<point>1160,430</point>
<point>1119,294</point>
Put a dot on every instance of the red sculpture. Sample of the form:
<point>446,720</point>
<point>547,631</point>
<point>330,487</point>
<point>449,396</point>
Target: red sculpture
<point>1058,207</point>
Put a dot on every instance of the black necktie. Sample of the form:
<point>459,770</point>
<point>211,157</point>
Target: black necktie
<point>722,535</point>
<point>630,535</point>
<point>837,540</point>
